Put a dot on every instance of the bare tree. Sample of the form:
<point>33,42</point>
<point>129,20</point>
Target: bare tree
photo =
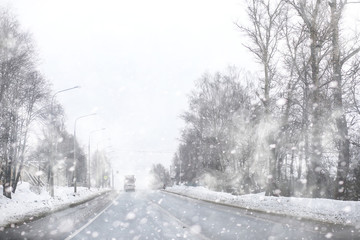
<point>266,21</point>
<point>314,16</point>
<point>35,91</point>
<point>338,60</point>
<point>160,175</point>
<point>22,90</point>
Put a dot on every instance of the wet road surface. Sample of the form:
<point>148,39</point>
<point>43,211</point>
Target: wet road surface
<point>160,215</point>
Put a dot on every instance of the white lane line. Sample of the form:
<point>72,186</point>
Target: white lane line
<point>199,235</point>
<point>87,224</point>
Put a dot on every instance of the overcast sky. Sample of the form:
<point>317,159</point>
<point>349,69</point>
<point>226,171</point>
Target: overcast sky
<point>136,61</point>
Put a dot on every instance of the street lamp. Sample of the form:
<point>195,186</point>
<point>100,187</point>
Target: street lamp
<point>100,168</point>
<point>111,181</point>
<point>53,153</point>
<point>74,175</point>
<point>112,172</point>
<point>94,131</point>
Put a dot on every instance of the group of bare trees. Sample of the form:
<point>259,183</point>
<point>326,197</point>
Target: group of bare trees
<point>25,104</point>
<point>292,128</point>
<point>22,94</point>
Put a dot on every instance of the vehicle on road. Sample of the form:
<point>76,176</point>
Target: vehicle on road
<point>129,183</point>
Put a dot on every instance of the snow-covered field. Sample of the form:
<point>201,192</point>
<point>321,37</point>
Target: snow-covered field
<point>325,210</point>
<point>25,203</point>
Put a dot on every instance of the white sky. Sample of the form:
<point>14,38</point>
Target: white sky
<point>136,61</point>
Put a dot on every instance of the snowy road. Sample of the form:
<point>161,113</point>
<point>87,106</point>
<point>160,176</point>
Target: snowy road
<point>159,215</point>
<point>59,224</point>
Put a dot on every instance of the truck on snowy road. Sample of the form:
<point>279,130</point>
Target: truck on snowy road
<point>129,183</point>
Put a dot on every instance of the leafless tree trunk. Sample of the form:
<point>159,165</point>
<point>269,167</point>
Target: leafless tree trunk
<point>312,14</point>
<point>340,118</point>
<point>264,34</point>
<point>342,129</point>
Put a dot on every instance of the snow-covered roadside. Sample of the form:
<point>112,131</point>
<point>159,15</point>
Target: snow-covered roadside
<point>325,210</point>
<point>26,204</point>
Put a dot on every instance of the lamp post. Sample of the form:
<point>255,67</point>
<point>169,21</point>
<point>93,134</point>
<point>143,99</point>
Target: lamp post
<point>89,164</point>
<point>74,175</point>
<point>53,153</point>
<point>111,181</point>
<point>100,171</point>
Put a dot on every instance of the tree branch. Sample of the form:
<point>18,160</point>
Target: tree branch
<point>349,56</point>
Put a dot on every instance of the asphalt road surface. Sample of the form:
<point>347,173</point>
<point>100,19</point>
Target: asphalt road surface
<point>160,215</point>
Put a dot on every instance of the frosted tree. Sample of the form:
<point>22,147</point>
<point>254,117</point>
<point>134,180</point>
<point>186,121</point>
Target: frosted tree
<point>160,176</point>
<point>264,33</point>
<point>211,143</point>
<point>22,90</point>
<point>340,57</point>
<point>314,16</point>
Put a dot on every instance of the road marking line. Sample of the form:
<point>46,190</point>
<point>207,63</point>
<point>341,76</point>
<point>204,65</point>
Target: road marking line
<point>179,221</point>
<point>88,223</point>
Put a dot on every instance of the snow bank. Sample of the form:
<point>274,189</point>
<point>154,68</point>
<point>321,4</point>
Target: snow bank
<point>26,203</point>
<point>325,210</point>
